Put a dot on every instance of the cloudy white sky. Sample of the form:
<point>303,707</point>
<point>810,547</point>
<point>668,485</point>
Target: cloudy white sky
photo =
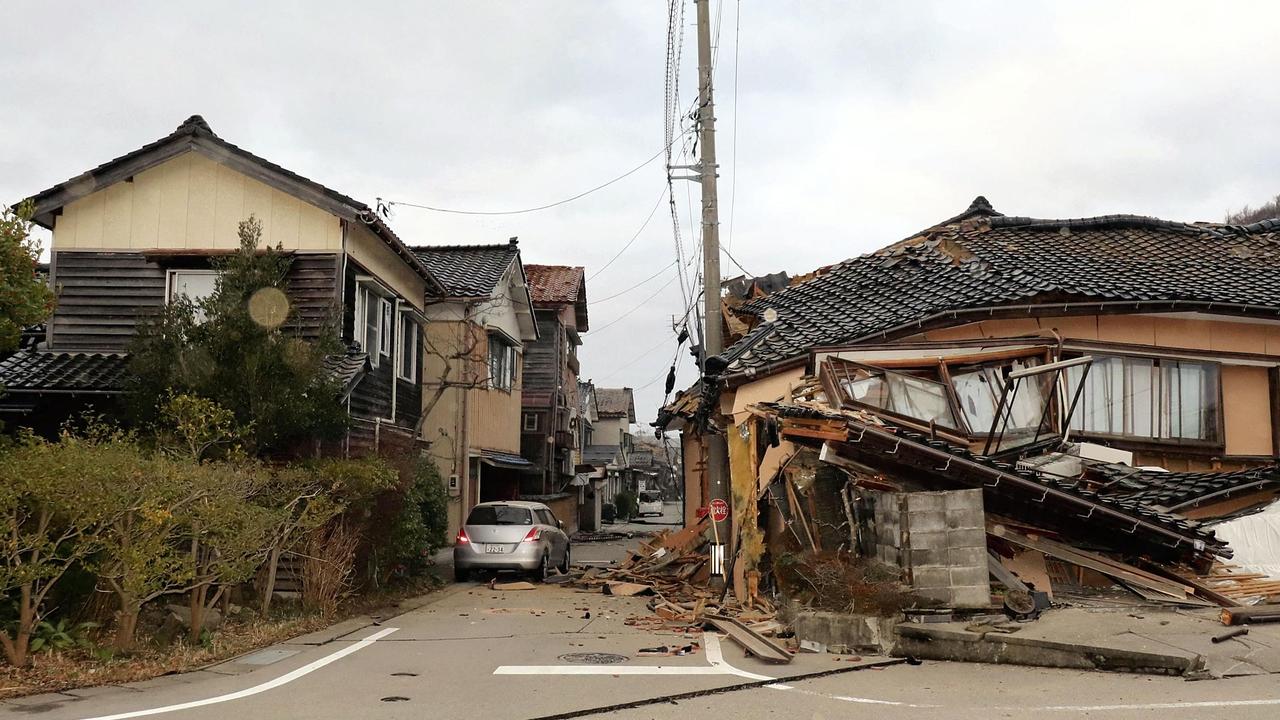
<point>857,123</point>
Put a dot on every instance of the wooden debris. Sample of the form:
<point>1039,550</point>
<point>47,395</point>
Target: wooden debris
<point>1255,614</point>
<point>751,641</point>
<point>626,589</point>
<point>513,586</point>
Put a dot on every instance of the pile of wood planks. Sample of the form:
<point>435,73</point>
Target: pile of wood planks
<point>671,569</point>
<point>1245,588</point>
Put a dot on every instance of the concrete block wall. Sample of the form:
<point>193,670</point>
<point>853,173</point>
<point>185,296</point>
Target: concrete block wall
<point>939,540</point>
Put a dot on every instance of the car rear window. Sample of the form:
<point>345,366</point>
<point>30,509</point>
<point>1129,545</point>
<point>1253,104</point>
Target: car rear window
<point>648,497</point>
<point>499,515</point>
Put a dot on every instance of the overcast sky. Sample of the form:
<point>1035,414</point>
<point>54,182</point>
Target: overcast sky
<point>857,123</point>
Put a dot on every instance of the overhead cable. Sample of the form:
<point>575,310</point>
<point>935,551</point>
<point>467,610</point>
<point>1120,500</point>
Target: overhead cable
<point>643,225</point>
<point>633,287</point>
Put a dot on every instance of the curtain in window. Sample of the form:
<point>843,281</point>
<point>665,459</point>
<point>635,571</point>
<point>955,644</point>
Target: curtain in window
<point>1148,398</point>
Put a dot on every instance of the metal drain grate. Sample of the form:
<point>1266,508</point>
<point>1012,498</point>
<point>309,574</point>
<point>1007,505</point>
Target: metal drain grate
<point>594,658</point>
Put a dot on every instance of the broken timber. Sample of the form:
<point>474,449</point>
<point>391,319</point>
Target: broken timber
<point>751,641</point>
<point>1255,614</point>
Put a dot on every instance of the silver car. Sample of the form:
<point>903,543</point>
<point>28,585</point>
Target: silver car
<point>511,535</point>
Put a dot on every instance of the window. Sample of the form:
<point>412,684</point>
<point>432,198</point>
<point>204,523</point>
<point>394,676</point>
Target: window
<point>499,515</point>
<point>502,363</point>
<point>1150,398</point>
<point>531,422</point>
<point>385,341</point>
<point>894,392</point>
<point>407,361</point>
<point>195,285</point>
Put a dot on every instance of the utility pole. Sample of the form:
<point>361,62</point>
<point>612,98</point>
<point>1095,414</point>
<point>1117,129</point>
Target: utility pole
<point>714,444</point>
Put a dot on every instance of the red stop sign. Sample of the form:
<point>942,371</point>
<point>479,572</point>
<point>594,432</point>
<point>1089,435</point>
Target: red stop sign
<point>719,510</point>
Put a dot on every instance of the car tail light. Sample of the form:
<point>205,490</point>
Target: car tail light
<point>534,535</point>
<point>462,538</point>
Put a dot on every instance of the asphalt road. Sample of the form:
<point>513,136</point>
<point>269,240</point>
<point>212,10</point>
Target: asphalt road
<point>472,652</point>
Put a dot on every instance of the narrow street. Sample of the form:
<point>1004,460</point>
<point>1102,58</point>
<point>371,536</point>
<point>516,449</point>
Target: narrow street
<point>475,652</point>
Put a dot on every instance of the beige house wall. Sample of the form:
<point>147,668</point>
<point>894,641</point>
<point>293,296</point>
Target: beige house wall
<point>372,253</point>
<point>191,202</point>
<point>608,431</point>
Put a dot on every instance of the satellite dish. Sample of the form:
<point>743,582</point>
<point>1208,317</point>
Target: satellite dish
<point>770,315</point>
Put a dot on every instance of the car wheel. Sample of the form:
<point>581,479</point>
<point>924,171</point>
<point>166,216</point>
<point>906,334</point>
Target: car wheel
<point>544,569</point>
<point>461,574</point>
<point>564,565</point>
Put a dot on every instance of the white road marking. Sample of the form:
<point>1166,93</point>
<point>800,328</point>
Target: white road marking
<point>269,685</point>
<point>710,643</point>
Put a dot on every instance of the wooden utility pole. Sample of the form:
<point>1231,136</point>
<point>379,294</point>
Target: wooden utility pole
<point>713,341</point>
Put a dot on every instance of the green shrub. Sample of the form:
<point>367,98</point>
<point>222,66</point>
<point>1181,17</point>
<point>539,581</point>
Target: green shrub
<point>421,526</point>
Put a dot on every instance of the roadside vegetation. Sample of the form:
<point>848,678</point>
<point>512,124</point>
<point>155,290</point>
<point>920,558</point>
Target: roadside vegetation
<point>128,551</point>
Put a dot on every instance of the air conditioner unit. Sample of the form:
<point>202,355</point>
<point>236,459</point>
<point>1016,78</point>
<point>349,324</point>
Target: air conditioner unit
<point>1101,453</point>
<point>1056,464</point>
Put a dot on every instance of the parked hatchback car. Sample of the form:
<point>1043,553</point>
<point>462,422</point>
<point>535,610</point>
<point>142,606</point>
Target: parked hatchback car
<point>650,504</point>
<point>511,535</point>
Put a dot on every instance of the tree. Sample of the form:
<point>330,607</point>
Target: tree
<point>1247,215</point>
<point>25,298</point>
<point>46,527</point>
<point>239,349</point>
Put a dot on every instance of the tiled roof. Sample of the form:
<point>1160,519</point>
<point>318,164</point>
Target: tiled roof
<point>981,259</point>
<point>1178,489</point>
<point>616,403</point>
<point>555,284</point>
<point>599,454</point>
<point>196,127</point>
<point>63,372</point>
<point>468,270</point>
<point>347,369</point>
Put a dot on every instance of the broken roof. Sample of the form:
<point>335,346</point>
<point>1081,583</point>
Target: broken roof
<point>555,285</point>
<point>469,270</point>
<point>980,260</point>
<point>616,403</point>
<point>195,134</point>
<point>1179,490</point>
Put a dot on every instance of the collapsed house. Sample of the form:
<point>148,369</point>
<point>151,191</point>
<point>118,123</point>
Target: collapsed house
<point>1060,405</point>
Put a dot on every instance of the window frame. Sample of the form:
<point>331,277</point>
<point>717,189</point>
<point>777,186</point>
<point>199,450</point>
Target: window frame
<point>502,375</point>
<point>386,330</point>
<point>171,276</point>
<point>525,424</point>
<point>1216,427</point>
<point>408,336</point>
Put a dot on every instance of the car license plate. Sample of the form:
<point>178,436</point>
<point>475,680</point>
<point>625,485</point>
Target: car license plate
<point>494,548</point>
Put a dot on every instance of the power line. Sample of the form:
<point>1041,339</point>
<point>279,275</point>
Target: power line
<point>733,142</point>
<point>557,203</point>
<point>644,225</point>
<point>633,287</point>
<point>641,304</point>
<point>642,356</point>
<point>725,250</point>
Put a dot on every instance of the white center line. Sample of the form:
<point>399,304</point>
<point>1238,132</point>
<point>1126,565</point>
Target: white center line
<point>269,685</point>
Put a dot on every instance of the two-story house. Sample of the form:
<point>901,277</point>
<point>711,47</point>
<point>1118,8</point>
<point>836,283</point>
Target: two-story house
<point>137,231</point>
<point>612,439</point>
<point>550,397</point>
<point>473,348</point>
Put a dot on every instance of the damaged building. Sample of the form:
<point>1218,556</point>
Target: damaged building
<point>1005,409</point>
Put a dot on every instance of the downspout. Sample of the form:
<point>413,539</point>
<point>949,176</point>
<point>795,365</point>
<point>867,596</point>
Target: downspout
<point>464,435</point>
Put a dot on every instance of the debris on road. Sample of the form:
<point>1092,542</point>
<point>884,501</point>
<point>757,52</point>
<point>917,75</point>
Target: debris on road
<point>1230,634</point>
<point>751,641</point>
<point>1255,614</point>
<point>521,585</point>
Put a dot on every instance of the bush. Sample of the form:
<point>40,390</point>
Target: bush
<point>626,504</point>
<point>422,524</point>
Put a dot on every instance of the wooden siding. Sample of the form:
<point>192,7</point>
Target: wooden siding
<point>191,202</point>
<point>371,398</point>
<point>542,357</point>
<point>101,298</point>
<point>103,295</point>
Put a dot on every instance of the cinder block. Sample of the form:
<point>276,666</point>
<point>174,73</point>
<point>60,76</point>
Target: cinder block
<point>942,596</point>
<point>971,596</point>
<point>930,577</point>
<point>924,557</point>
<point>963,499</point>
<point>932,521</point>
<point>968,537</point>
<point>929,541</point>
<point>961,576</point>
<point>961,519</point>
<point>967,557</point>
<point>926,501</point>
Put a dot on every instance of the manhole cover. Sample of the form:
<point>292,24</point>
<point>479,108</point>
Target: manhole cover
<point>594,658</point>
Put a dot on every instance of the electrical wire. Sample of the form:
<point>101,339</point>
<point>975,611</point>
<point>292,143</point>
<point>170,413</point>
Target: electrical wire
<point>643,225</point>
<point>725,250</point>
<point>629,173</point>
<point>641,304</point>
<point>733,143</point>
<point>642,356</point>
<point>633,287</point>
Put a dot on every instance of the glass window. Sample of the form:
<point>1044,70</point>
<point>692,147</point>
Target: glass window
<point>407,363</point>
<point>369,320</point>
<point>1150,398</point>
<point>386,336</point>
<point>898,393</point>
<point>195,285</point>
<point>531,421</point>
<point>499,515</point>
<point>502,363</point>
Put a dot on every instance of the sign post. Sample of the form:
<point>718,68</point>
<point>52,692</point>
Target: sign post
<point>719,512</point>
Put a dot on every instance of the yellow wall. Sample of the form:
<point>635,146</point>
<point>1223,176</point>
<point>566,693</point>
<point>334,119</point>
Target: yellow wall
<point>382,262</point>
<point>1246,410</point>
<point>191,202</point>
<point>608,431</point>
<point>495,419</point>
